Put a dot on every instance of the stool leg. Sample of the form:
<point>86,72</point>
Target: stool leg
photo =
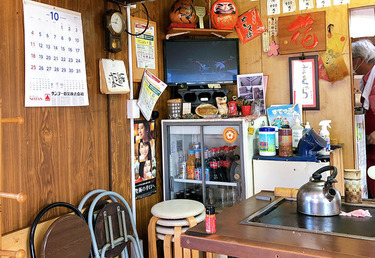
<point>168,246</point>
<point>187,253</point>
<point>210,255</point>
<point>194,253</point>
<point>192,221</point>
<point>177,242</point>
<point>152,251</point>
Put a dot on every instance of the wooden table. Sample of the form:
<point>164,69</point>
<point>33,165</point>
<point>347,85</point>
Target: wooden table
<point>232,238</point>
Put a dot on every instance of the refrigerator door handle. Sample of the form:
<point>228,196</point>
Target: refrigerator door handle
<point>171,183</point>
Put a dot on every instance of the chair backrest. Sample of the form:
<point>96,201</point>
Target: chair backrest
<point>115,221</point>
<point>68,236</point>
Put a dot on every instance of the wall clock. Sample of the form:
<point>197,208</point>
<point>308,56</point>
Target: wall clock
<point>114,24</point>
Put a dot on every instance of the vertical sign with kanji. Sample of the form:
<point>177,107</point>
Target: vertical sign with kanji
<point>289,6</point>
<point>273,7</point>
<point>306,4</point>
<point>323,3</point>
<point>302,33</point>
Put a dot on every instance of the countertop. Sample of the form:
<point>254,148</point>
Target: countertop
<point>234,239</point>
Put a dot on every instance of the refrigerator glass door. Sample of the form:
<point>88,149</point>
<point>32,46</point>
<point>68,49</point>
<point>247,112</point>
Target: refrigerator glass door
<point>182,139</point>
<point>218,177</point>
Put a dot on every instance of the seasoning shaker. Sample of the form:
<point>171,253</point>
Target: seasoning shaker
<point>210,220</point>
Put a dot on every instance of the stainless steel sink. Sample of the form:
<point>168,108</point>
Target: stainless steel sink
<point>282,214</point>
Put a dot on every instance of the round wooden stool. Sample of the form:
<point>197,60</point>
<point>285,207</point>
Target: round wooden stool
<point>181,210</point>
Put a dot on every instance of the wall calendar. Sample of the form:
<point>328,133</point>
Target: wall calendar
<point>55,71</point>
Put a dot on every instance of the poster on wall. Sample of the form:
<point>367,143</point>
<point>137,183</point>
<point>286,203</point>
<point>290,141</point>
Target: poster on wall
<point>323,3</point>
<point>55,67</point>
<point>251,88</point>
<point>273,7</point>
<point>145,46</point>
<point>339,2</point>
<point>144,158</point>
<point>289,6</point>
<point>306,4</point>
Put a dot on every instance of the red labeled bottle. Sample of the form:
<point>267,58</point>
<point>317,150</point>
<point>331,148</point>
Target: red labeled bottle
<point>210,220</point>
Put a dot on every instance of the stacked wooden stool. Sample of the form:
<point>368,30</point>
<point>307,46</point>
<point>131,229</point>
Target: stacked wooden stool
<point>170,219</point>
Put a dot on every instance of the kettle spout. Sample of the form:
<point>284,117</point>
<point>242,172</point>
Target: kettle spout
<point>329,192</point>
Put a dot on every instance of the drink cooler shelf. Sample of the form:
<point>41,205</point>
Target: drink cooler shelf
<point>193,181</point>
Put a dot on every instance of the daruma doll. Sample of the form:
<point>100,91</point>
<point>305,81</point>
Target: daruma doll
<point>223,15</point>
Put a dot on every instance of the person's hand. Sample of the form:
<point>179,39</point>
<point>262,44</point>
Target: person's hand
<point>371,138</point>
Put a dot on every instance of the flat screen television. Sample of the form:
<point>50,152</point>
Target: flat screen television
<point>198,62</point>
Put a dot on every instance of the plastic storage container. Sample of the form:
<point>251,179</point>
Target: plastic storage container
<point>267,141</point>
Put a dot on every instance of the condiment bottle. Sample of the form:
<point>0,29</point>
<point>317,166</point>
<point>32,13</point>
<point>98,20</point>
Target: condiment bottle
<point>190,165</point>
<point>285,141</point>
<point>210,220</point>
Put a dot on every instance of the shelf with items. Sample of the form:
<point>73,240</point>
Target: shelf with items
<point>197,32</point>
<point>193,181</point>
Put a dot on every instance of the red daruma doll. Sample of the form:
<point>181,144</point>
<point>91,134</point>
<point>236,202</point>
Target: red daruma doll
<point>223,15</point>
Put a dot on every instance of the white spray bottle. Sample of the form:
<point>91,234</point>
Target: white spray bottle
<point>324,133</point>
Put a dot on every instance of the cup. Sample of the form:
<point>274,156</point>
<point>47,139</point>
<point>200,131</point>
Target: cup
<point>352,184</point>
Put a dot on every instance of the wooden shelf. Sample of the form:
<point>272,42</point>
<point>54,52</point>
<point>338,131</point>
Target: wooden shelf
<point>197,32</point>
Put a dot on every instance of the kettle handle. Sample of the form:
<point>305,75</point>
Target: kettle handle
<point>331,178</point>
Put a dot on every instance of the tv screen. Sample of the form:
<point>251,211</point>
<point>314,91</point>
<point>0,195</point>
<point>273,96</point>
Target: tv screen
<point>199,62</point>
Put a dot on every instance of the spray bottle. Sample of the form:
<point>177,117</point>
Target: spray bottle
<point>324,133</point>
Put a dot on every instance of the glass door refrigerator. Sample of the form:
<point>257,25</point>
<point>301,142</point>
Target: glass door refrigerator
<point>209,160</point>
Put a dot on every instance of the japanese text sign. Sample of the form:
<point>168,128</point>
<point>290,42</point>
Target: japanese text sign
<point>302,33</point>
<point>249,25</point>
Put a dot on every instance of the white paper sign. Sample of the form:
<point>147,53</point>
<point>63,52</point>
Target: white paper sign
<point>323,3</point>
<point>273,7</point>
<point>151,89</point>
<point>145,46</point>
<point>338,2</point>
<point>55,70</point>
<point>306,4</point>
<point>115,75</point>
<point>289,6</point>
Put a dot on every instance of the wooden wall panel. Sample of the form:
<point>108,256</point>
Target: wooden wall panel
<point>58,154</point>
<point>337,108</point>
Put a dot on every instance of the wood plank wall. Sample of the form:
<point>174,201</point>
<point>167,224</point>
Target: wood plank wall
<point>59,154</point>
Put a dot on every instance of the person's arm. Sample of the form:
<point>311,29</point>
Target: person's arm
<point>371,138</point>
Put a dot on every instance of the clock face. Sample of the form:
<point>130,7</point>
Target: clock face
<point>117,22</point>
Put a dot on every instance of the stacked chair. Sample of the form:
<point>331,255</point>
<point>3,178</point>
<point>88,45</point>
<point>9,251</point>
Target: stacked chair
<point>111,225</point>
<point>103,229</point>
<point>170,219</point>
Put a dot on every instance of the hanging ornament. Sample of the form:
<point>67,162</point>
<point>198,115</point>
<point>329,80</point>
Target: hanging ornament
<point>274,49</point>
<point>223,14</point>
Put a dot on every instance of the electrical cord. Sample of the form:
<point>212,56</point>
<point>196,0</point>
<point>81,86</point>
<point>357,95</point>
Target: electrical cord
<point>148,21</point>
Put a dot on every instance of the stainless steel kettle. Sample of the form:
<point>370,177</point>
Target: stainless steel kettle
<point>319,197</point>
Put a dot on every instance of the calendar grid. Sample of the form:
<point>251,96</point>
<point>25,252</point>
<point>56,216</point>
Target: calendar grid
<point>55,72</point>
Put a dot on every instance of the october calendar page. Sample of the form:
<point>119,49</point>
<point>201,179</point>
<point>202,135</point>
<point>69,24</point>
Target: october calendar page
<point>55,71</point>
